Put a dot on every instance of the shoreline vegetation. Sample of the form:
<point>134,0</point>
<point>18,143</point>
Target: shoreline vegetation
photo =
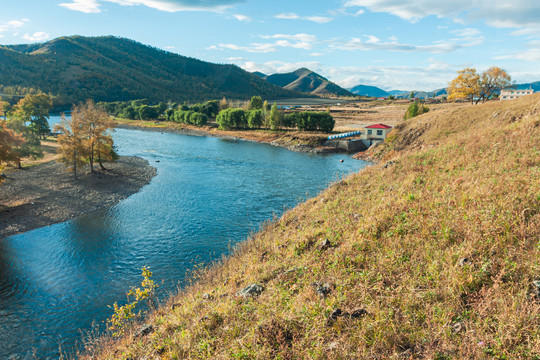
<point>298,141</point>
<point>431,254</point>
<point>46,194</point>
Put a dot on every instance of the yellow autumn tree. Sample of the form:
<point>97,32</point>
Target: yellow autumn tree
<point>71,150</point>
<point>86,137</point>
<point>492,80</point>
<point>465,86</point>
<point>9,141</point>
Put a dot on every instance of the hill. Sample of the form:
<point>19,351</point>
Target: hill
<point>370,91</point>
<point>115,69</point>
<point>431,254</point>
<point>306,81</point>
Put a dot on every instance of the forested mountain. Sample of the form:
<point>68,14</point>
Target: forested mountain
<point>307,81</point>
<point>366,90</point>
<point>116,69</point>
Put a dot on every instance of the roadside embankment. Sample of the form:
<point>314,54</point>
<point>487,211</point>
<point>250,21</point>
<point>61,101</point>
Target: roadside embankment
<point>46,194</point>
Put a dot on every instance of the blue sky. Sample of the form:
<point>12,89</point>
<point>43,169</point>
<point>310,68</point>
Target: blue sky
<point>392,44</point>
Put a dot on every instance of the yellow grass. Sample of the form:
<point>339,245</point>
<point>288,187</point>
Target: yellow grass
<point>464,184</point>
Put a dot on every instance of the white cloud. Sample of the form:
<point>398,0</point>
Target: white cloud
<point>465,37</point>
<point>12,25</point>
<point>272,67</point>
<point>241,17</point>
<point>294,16</point>
<point>296,41</point>
<point>296,37</point>
<point>36,37</point>
<point>319,19</point>
<point>316,54</point>
<point>85,6</point>
<point>287,16</point>
<point>93,6</point>
<point>515,13</point>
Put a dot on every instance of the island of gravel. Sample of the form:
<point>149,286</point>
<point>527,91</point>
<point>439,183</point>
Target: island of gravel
<point>47,194</point>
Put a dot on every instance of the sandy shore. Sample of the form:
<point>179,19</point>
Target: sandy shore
<point>46,194</point>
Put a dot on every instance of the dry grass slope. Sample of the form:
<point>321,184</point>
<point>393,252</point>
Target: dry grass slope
<point>440,248</point>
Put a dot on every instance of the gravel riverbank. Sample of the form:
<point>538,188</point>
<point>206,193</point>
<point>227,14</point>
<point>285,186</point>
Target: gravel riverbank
<point>46,194</point>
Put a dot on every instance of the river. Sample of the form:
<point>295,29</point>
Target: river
<point>208,194</point>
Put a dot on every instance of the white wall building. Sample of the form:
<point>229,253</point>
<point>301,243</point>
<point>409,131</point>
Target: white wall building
<point>510,94</point>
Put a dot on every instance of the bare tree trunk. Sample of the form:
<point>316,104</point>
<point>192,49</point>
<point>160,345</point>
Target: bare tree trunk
<point>100,162</point>
<point>91,158</point>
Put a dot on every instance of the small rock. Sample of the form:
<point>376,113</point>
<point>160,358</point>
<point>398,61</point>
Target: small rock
<point>144,330</point>
<point>322,289</point>
<point>536,289</point>
<point>263,255</point>
<point>252,290</point>
<point>464,262</point>
<point>457,327</point>
<point>341,160</point>
<point>358,313</point>
<point>388,164</point>
<point>176,305</point>
<point>207,296</point>
<point>325,244</point>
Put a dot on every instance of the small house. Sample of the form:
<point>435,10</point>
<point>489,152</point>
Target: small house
<point>377,131</point>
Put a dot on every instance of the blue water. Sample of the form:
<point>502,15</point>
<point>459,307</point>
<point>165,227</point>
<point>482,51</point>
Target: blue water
<point>208,194</point>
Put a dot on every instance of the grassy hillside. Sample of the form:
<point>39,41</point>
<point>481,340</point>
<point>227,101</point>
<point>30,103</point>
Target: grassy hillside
<point>431,254</point>
<point>306,81</point>
<point>115,69</point>
<point>366,90</point>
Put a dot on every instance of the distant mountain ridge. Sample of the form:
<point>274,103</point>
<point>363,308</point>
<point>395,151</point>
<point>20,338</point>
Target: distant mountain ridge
<point>112,69</point>
<point>306,81</point>
<point>371,91</point>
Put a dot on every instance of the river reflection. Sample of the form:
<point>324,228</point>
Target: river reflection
<point>208,194</point>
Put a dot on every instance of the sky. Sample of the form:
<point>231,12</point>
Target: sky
<point>391,44</point>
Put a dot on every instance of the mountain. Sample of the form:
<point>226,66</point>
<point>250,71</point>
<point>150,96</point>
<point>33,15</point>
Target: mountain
<point>533,85</point>
<point>113,69</point>
<point>371,91</point>
<point>259,74</point>
<point>306,81</point>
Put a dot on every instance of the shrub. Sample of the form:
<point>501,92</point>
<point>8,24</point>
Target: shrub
<point>198,119</point>
<point>415,109</point>
<point>231,118</point>
<point>255,119</point>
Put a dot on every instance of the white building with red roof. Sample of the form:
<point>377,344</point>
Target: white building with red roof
<point>377,131</point>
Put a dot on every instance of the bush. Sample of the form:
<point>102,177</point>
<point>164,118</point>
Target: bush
<point>290,120</point>
<point>198,119</point>
<point>415,109</point>
<point>148,112</point>
<point>231,119</point>
<point>169,114</point>
<point>312,121</point>
<point>255,103</point>
<point>255,119</point>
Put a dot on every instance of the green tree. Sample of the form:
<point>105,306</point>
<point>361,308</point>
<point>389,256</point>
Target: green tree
<point>415,109</point>
<point>255,119</point>
<point>255,103</point>
<point>275,118</point>
<point>33,110</point>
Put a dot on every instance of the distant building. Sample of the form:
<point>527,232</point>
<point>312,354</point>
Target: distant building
<point>377,131</point>
<point>510,94</point>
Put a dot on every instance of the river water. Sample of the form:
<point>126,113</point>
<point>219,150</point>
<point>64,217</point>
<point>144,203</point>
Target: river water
<point>208,194</point>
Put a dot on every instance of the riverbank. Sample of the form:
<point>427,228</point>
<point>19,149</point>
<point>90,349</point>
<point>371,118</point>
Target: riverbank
<point>47,194</point>
<point>432,254</point>
<point>291,140</point>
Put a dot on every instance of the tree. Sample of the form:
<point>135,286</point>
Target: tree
<point>34,111</point>
<point>70,139</point>
<point>465,86</point>
<point>411,95</point>
<point>4,107</point>
<point>255,119</point>
<point>275,118</point>
<point>493,80</point>
<point>255,103</point>
<point>9,141</point>
<point>87,136</point>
